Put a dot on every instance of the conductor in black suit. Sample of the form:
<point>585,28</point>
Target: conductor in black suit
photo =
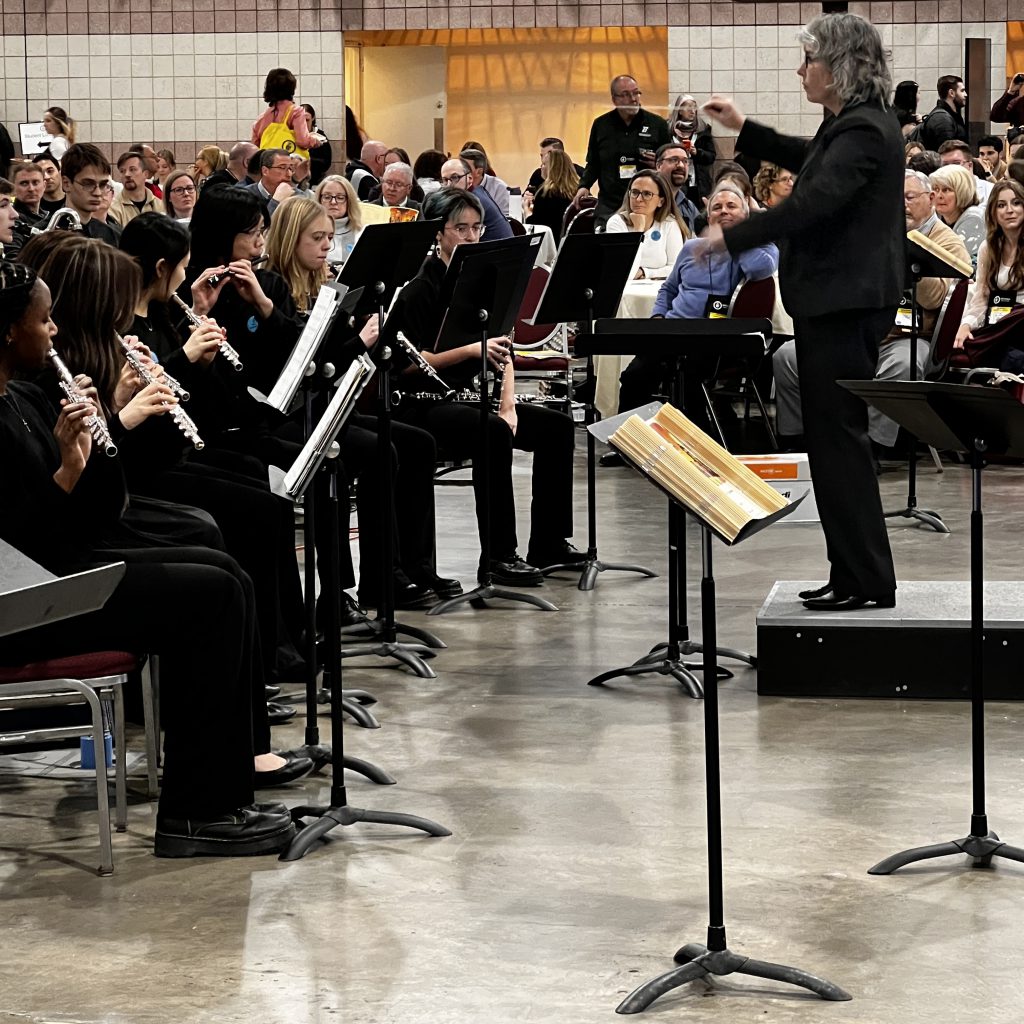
<point>841,267</point>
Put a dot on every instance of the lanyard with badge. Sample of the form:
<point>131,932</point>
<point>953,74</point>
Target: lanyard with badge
<point>905,312</point>
<point>717,306</point>
<point>999,305</point>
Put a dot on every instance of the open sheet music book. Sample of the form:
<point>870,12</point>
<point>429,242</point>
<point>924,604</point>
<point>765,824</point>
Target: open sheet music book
<point>696,471</point>
<point>963,267</point>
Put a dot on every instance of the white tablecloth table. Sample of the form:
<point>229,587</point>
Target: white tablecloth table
<point>637,304</point>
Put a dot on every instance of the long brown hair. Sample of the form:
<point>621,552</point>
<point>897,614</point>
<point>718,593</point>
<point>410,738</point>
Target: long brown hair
<point>667,209</point>
<point>95,289</point>
<point>562,179</point>
<point>996,239</point>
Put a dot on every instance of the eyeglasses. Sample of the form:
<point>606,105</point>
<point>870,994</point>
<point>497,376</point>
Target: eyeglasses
<point>644,195</point>
<point>327,200</point>
<point>674,160</point>
<point>88,185</point>
<point>632,94</point>
<point>392,183</point>
<point>465,230</point>
<point>183,190</point>
<point>257,232</point>
<point>454,179</point>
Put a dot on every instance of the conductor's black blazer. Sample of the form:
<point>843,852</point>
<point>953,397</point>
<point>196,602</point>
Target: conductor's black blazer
<point>841,234</point>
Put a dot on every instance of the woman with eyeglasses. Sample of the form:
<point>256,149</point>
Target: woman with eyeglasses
<point>649,207</point>
<point>957,203</point>
<point>180,195</point>
<point>841,285</point>
<point>337,196</point>
<point>772,184</point>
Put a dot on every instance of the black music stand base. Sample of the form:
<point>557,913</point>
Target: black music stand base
<point>697,961</point>
<point>409,655</point>
<point>922,515</point>
<point>321,755</point>
<point>340,813</point>
<point>479,596</point>
<point>592,566</point>
<point>665,662</point>
<point>374,629</point>
<point>981,846</point>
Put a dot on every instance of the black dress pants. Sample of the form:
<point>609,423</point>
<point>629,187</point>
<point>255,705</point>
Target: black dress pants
<point>545,432</point>
<point>844,346</point>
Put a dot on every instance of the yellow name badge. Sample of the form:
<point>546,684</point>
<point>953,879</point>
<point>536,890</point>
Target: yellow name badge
<point>626,171</point>
<point>1000,306</point>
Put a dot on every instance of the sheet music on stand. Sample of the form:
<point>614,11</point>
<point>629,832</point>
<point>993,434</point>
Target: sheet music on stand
<point>329,302</point>
<point>347,391</point>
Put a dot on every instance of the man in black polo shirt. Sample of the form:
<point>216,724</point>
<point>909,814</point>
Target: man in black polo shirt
<point>621,142</point>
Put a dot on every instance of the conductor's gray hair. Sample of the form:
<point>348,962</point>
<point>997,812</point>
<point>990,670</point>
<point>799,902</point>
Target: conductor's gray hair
<point>852,50</point>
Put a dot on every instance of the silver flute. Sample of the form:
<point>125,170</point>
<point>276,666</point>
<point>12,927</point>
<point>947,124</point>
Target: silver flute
<point>98,429</point>
<point>226,350</point>
<point>167,380</point>
<point>182,420</point>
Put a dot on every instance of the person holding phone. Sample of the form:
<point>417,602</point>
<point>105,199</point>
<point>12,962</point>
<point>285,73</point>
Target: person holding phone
<point>1009,108</point>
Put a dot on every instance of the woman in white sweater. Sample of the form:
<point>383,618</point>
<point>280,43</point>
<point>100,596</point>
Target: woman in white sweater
<point>649,206</point>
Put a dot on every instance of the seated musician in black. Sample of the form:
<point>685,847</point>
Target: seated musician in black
<point>456,425</point>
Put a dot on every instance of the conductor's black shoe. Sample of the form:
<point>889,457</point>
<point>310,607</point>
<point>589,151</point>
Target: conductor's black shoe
<point>848,602</point>
<point>512,571</point>
<point>278,713</point>
<point>556,554</point>
<point>244,832</point>
<point>444,588</point>
<point>809,595</point>
<point>292,769</point>
<point>611,459</point>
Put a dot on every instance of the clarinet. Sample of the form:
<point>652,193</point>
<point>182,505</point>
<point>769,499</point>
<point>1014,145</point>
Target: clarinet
<point>499,378</point>
<point>98,429</point>
<point>422,365</point>
<point>226,350</point>
<point>182,420</point>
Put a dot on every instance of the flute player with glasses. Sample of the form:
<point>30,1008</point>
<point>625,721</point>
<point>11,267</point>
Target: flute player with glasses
<point>840,282</point>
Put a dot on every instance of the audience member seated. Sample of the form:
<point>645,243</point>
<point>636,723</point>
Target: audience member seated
<point>135,198</point>
<point>956,202</point>
<point>894,352</point>
<point>300,176</point>
<point>484,180</point>
<point>699,286</point>
<point>990,153</point>
<point>999,282</point>
<point>28,187</point>
<point>458,173</point>
<point>275,182</point>
<point>693,133</point>
<point>209,160</point>
<point>11,241</point>
<point>729,171</point>
<point>85,177</point>
<point>540,174</point>
<point>672,161</point>
<point>53,188</point>
<point>365,172</point>
<point>924,161</point>
<point>427,170</point>
<point>236,171</point>
<point>649,208</point>
<point>456,425</point>
<point>396,185</point>
<point>165,163</point>
<point>147,154</point>
<point>911,148</point>
<point>773,184</point>
<point>337,196</point>
<point>180,195</point>
<point>954,153</point>
<point>555,193</point>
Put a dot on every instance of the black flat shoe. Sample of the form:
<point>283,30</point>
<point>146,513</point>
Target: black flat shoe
<point>810,595</point>
<point>319,754</point>
<point>292,769</point>
<point>512,571</point>
<point>272,691</point>
<point>610,459</point>
<point>848,602</point>
<point>278,713</point>
<point>556,554</point>
<point>244,832</point>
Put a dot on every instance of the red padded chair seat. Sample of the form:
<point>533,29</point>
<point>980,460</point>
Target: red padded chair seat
<point>81,666</point>
<point>532,363</point>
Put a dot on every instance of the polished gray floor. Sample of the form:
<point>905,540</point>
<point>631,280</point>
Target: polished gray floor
<point>577,864</point>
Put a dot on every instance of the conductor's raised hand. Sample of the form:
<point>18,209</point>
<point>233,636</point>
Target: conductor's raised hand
<point>725,112</point>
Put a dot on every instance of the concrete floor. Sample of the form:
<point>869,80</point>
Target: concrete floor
<point>577,864</point>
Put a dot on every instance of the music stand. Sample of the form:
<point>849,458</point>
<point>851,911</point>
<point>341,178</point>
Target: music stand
<point>483,291</point>
<point>920,263</point>
<point>974,420</point>
<point>322,450</point>
<point>698,960</point>
<point>385,257</point>
<point>672,339</point>
<point>587,280</point>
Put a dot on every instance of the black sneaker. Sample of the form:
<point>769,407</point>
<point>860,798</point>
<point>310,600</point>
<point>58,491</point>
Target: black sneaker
<point>244,832</point>
<point>512,571</point>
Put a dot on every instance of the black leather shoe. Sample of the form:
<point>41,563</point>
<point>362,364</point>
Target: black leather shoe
<point>514,572</point>
<point>272,691</point>
<point>278,713</point>
<point>408,595</point>
<point>351,613</point>
<point>444,588</point>
<point>848,602</point>
<point>611,459</point>
<point>556,554</point>
<point>319,754</point>
<point>271,808</point>
<point>292,769</point>
<point>810,595</point>
<point>242,833</point>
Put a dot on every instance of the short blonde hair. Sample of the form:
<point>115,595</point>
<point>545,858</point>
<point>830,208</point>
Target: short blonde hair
<point>960,180</point>
<point>355,216</point>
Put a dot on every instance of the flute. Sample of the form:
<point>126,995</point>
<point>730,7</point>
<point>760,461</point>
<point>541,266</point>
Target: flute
<point>214,280</point>
<point>182,420</point>
<point>98,429</point>
<point>167,380</point>
<point>226,350</point>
